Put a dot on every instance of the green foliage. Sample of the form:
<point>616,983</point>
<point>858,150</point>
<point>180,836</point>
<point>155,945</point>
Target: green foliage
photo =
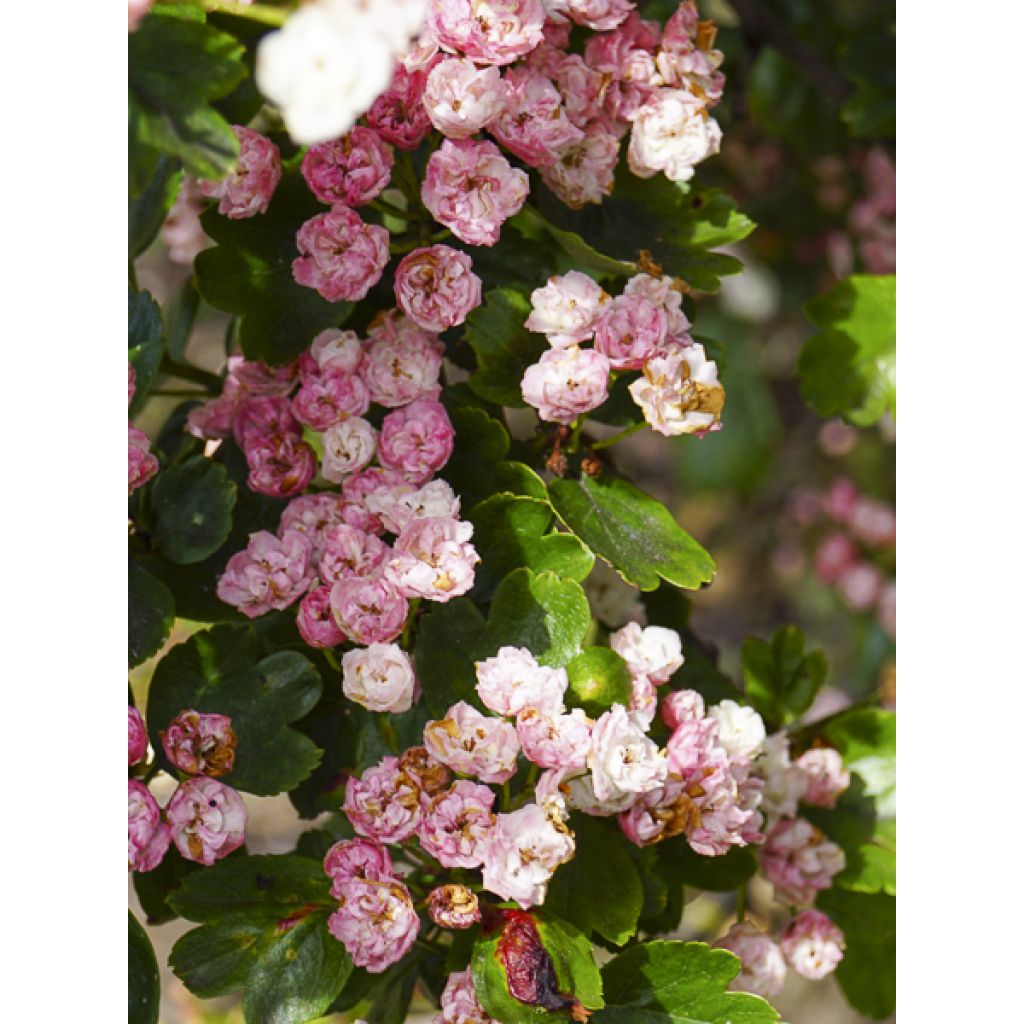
<point>192,505</point>
<point>579,254</point>
<point>221,670</point>
<point>145,343</point>
<point>677,983</point>
<point>631,531</point>
<point>780,680</point>
<point>150,614</point>
<point>147,213</point>
<point>849,367</point>
<point>869,61</point>
<point>598,678</point>
<point>450,637</point>
<point>179,317</point>
<point>143,976</point>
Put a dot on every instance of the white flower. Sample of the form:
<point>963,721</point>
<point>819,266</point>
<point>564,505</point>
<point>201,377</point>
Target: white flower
<point>784,782</point>
<point>679,392</point>
<point>379,677</point>
<point>622,759</point>
<point>397,507</point>
<point>740,729</point>
<point>512,680</point>
<point>565,308</point>
<point>654,652</point>
<point>672,132</point>
<point>348,446</point>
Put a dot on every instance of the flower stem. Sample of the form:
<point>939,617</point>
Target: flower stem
<point>263,13</point>
<point>186,371</point>
<point>573,444</point>
<point>741,902</point>
<point>620,436</point>
<point>331,658</point>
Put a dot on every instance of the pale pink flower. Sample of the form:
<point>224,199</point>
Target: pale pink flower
<point>840,500</point>
<point>246,191</point>
<point>334,349</point>
<point>262,416</point>
<point>585,171</point>
<point>183,232</point>
<point>402,362</point>
<point>812,944</point>
<point>398,506</point>
<point>581,87</point>
<point>566,309</point>
<point>622,760</point>
<point>200,743</point>
<point>473,744</point>
<point>472,189</point>
<point>416,440</point>
<point>142,463</point>
<point>255,378</point>
<point>741,730</point>
<point>315,621</point>
<point>379,678</point>
<point>138,740</point>
<point>459,1004</point>
<point>384,804</point>
<point>330,397</point>
<point>436,287</point>
<point>692,746</point>
<point>835,554</point>
<point>873,522</point>
<point>522,853</point>
<point>827,778</point>
<point>313,515</point>
<point>687,59</point>
<point>660,814</point>
<point>376,922</point>
<point>553,740</point>
<point>356,859</point>
<point>453,906</point>
<point>280,465</point>
<point>457,823</point>
<point>643,701</point>
<point>679,392</point>
<point>654,651</point>
<point>488,31</point>
<point>533,123</point>
<point>461,99</point>
<point>137,10</point>
<point>630,330</point>
<point>351,552</point>
<point>348,447</point>
<point>349,171</point>
<point>368,610</point>
<point>213,419</point>
<point>148,836</point>
<point>512,681</point>
<point>672,132</point>
<point>859,585</point>
<point>763,970</point>
<point>799,861</point>
<point>434,559</point>
<point>600,15</point>
<point>207,820</point>
<point>886,609</point>
<point>663,292</point>
<point>784,783</point>
<point>682,706</point>
<point>270,574</point>
<point>566,383</point>
<point>339,255</point>
<point>358,487</point>
<point>398,114</point>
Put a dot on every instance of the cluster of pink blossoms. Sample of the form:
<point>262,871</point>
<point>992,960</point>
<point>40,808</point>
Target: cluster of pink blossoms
<point>142,463</point>
<point>205,819</point>
<point>643,329</point>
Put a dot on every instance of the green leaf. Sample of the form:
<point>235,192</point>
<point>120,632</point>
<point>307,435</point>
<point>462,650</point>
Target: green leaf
<point>677,983</point>
<point>191,508</point>
<point>542,612</point>
<point>249,273</point>
<point>147,214</point>
<point>511,531</point>
<point>154,887</point>
<point>598,678</point>
<point>145,343</point>
<point>631,531</point>
<point>143,976</point>
<point>179,318</point>
<point>450,637</point>
<point>867,972</point>
<point>150,614</point>
<point>582,256</point>
<point>869,61</point>
<point>220,670</point>
<point>175,69</point>
<point>573,959</point>
<point>713,874</point>
<point>780,680</point>
<point>849,367</point>
<point>602,865</point>
<point>503,346</point>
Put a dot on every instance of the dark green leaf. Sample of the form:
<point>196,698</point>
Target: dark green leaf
<point>221,671</point>
<point>179,318</point>
<point>582,256</point>
<point>780,680</point>
<point>150,614</point>
<point>147,213</point>
<point>153,887</point>
<point>145,343</point>
<point>598,678</point>
<point>713,874</point>
<point>249,273</point>
<point>143,976</point>
<point>631,531</point>
<point>450,637</point>
<point>869,61</point>
<point>192,505</point>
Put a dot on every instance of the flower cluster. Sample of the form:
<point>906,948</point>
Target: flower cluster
<point>643,329</point>
<point>142,463</point>
<point>205,819</point>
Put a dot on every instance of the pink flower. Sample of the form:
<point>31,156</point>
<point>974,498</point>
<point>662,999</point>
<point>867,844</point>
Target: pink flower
<point>472,189</point>
<point>339,255</point>
<point>459,1004</point>
<point>512,681</point>
<point>376,922</point>
<point>384,804</point>
<point>524,849</point>
<point>349,171</point>
<point>434,559</point>
<point>812,944</point>
<point>182,232</point>
<point>270,574</point>
<point>584,172</point>
<point>207,820</point>
<point>566,382</point>
<point>622,760</point>
<point>643,701</point>
<point>402,362</point>
<point>763,970</point>
<point>859,586</point>
<point>453,906</point>
<point>254,378</point>
<point>840,500</point>
<point>473,744</point>
<point>533,123</point>
<point>827,779</point>
<point>379,678</point>
<point>247,190</point>
<point>131,383</point>
<point>630,331</point>
<point>335,350</point>
<point>280,465</point>
<point>799,861</point>
<point>358,487</point>
<point>457,824</point>
<point>436,287</point>
<point>361,859</point>
<point>553,740</point>
<point>672,132</point>
<point>368,610</point>
<point>330,397</point>
<point>600,15</point>
<point>416,440</point>
<point>835,554</point>
<point>494,32</point>
<point>581,87</point>
<point>200,744</point>
<point>461,99</point>
<point>398,506</point>
<point>887,609</point>
<point>566,309</point>
<point>660,814</point>
<point>262,416</point>
<point>687,58</point>
<point>348,447</point>
<point>663,292</point>
<point>783,782</point>
<point>679,392</point>
<point>682,706</point>
<point>315,620</point>
<point>142,464</point>
<point>313,515</point>
<point>138,740</point>
<point>398,114</point>
<point>873,522</point>
<point>148,836</point>
<point>351,552</point>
